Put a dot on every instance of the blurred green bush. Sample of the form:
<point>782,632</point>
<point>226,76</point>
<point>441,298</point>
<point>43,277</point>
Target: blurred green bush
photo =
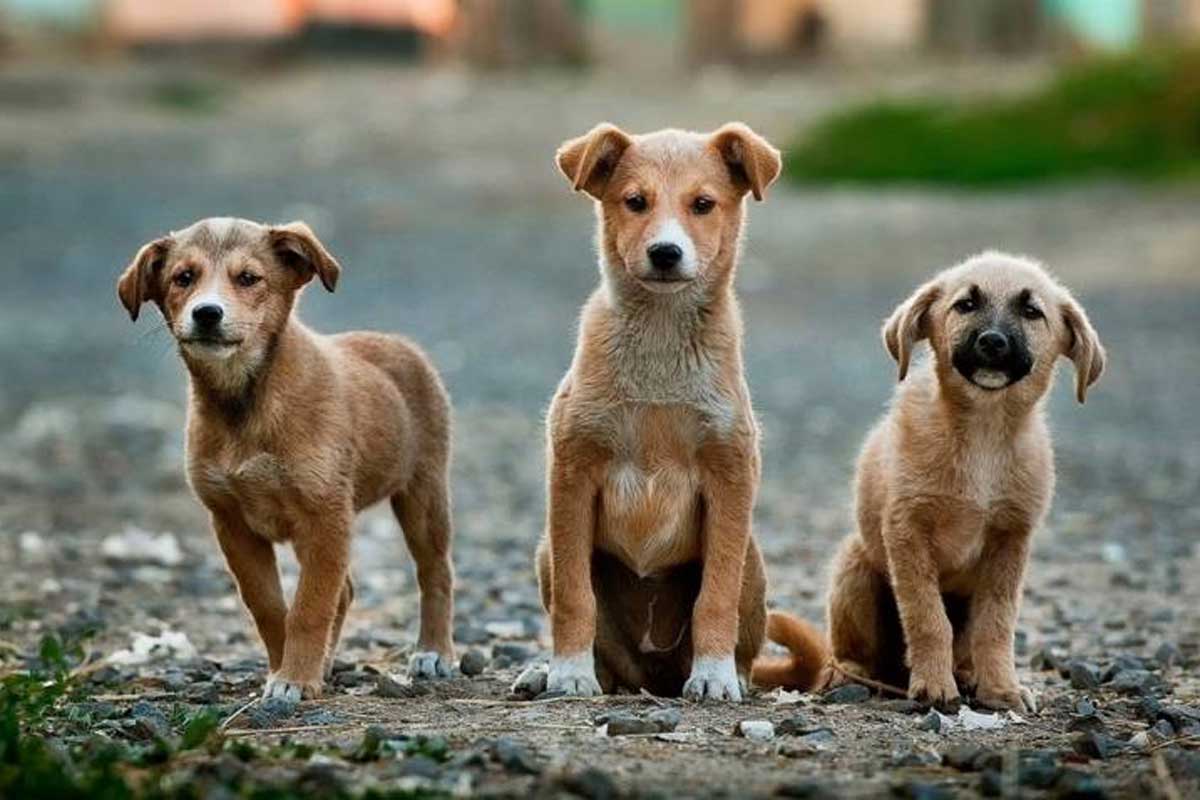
<point>1135,115</point>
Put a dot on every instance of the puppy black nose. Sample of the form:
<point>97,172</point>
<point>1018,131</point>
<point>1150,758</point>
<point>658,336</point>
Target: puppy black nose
<point>207,314</point>
<point>991,345</point>
<point>664,255</point>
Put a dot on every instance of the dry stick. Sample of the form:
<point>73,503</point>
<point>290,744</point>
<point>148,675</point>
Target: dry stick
<point>1179,740</point>
<point>876,685</point>
<point>238,713</point>
<point>297,729</point>
<point>1170,790</point>
<point>121,698</point>
<point>520,703</point>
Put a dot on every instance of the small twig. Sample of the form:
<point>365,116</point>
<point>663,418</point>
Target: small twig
<point>296,729</point>
<point>1177,740</point>
<point>1163,773</point>
<point>238,713</point>
<point>122,698</point>
<point>658,701</point>
<point>876,685</point>
<point>475,701</point>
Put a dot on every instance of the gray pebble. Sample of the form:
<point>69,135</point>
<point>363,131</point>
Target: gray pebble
<point>472,663</point>
<point>850,693</point>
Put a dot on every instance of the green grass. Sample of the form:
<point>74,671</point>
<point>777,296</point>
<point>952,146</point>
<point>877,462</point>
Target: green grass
<point>1135,116</point>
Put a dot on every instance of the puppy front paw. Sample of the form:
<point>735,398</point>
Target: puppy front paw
<point>1006,696</point>
<point>936,689</point>
<point>430,664</point>
<point>573,675</point>
<point>713,679</point>
<point>289,690</point>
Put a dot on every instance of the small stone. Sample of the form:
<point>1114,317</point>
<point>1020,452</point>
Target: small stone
<point>931,722</point>
<point>1085,707</point>
<point>756,730</point>
<point>515,757</point>
<point>269,713</point>
<point>1120,664</point>
<point>352,678</point>
<point>850,693</point>
<point>472,663</point>
<point>963,757</point>
<point>1046,660</point>
<point>819,738</point>
<point>392,689</point>
<point>1098,745</point>
<point>531,682</point>
<point>1074,784</point>
<point>1163,729</point>
<point>665,720</point>
<point>1038,769</point>
<point>149,721</point>
<point>620,723</point>
<point>794,726</point>
<point>1135,682</point>
<point>590,783</point>
<point>915,758</point>
<point>1084,676</point>
<point>419,766</point>
<point>1168,654</point>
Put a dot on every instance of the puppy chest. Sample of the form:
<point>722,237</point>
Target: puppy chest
<point>261,488</point>
<point>649,514</point>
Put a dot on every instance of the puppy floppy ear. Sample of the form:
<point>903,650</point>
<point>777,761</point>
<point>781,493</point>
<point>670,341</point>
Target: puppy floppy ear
<point>753,163</point>
<point>588,161</point>
<point>297,247</point>
<point>139,282</point>
<point>909,325</point>
<point>1082,346</point>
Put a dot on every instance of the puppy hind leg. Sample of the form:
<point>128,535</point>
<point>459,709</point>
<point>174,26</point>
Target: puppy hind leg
<point>854,619</point>
<point>424,515</point>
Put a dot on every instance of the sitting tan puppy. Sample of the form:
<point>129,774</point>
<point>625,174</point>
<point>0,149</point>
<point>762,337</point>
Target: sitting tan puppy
<point>951,485</point>
<point>290,433</point>
<point>648,569</point>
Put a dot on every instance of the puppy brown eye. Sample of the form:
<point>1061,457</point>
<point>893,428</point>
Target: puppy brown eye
<point>636,203</point>
<point>1032,312</point>
<point>965,306</point>
<point>184,279</point>
<point>248,279</point>
<point>702,205</point>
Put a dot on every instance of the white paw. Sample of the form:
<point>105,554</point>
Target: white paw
<point>428,664</point>
<point>713,679</point>
<point>573,675</point>
<point>279,689</point>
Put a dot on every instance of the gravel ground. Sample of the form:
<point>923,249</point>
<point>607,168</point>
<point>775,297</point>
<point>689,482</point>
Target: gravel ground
<point>436,191</point>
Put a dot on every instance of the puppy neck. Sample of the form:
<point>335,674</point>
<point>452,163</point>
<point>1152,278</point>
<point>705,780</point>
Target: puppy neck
<point>231,389</point>
<point>970,414</point>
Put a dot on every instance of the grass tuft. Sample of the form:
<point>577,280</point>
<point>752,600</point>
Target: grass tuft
<point>1137,115</point>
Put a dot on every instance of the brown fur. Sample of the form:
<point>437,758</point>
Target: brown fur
<point>291,433</point>
<point>653,461</point>
<point>951,484</point>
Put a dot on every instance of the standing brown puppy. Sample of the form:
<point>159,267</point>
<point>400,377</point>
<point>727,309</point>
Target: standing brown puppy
<point>291,433</point>
<point>951,484</point>
<point>648,568</point>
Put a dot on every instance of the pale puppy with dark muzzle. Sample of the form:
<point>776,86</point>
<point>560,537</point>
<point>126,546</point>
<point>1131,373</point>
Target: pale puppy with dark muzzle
<point>951,485</point>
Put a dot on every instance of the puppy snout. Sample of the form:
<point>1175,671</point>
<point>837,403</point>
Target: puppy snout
<point>207,315</point>
<point>992,346</point>
<point>664,255</point>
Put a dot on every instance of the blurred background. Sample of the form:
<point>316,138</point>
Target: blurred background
<point>416,137</point>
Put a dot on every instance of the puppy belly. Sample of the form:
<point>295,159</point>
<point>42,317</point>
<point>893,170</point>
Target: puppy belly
<point>650,518</point>
<point>643,632</point>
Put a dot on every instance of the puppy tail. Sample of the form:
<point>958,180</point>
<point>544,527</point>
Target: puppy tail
<point>805,667</point>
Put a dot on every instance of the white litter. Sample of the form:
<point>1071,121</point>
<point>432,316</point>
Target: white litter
<point>757,730</point>
<point>969,720</point>
<point>137,545</point>
<point>145,648</point>
<point>783,697</point>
